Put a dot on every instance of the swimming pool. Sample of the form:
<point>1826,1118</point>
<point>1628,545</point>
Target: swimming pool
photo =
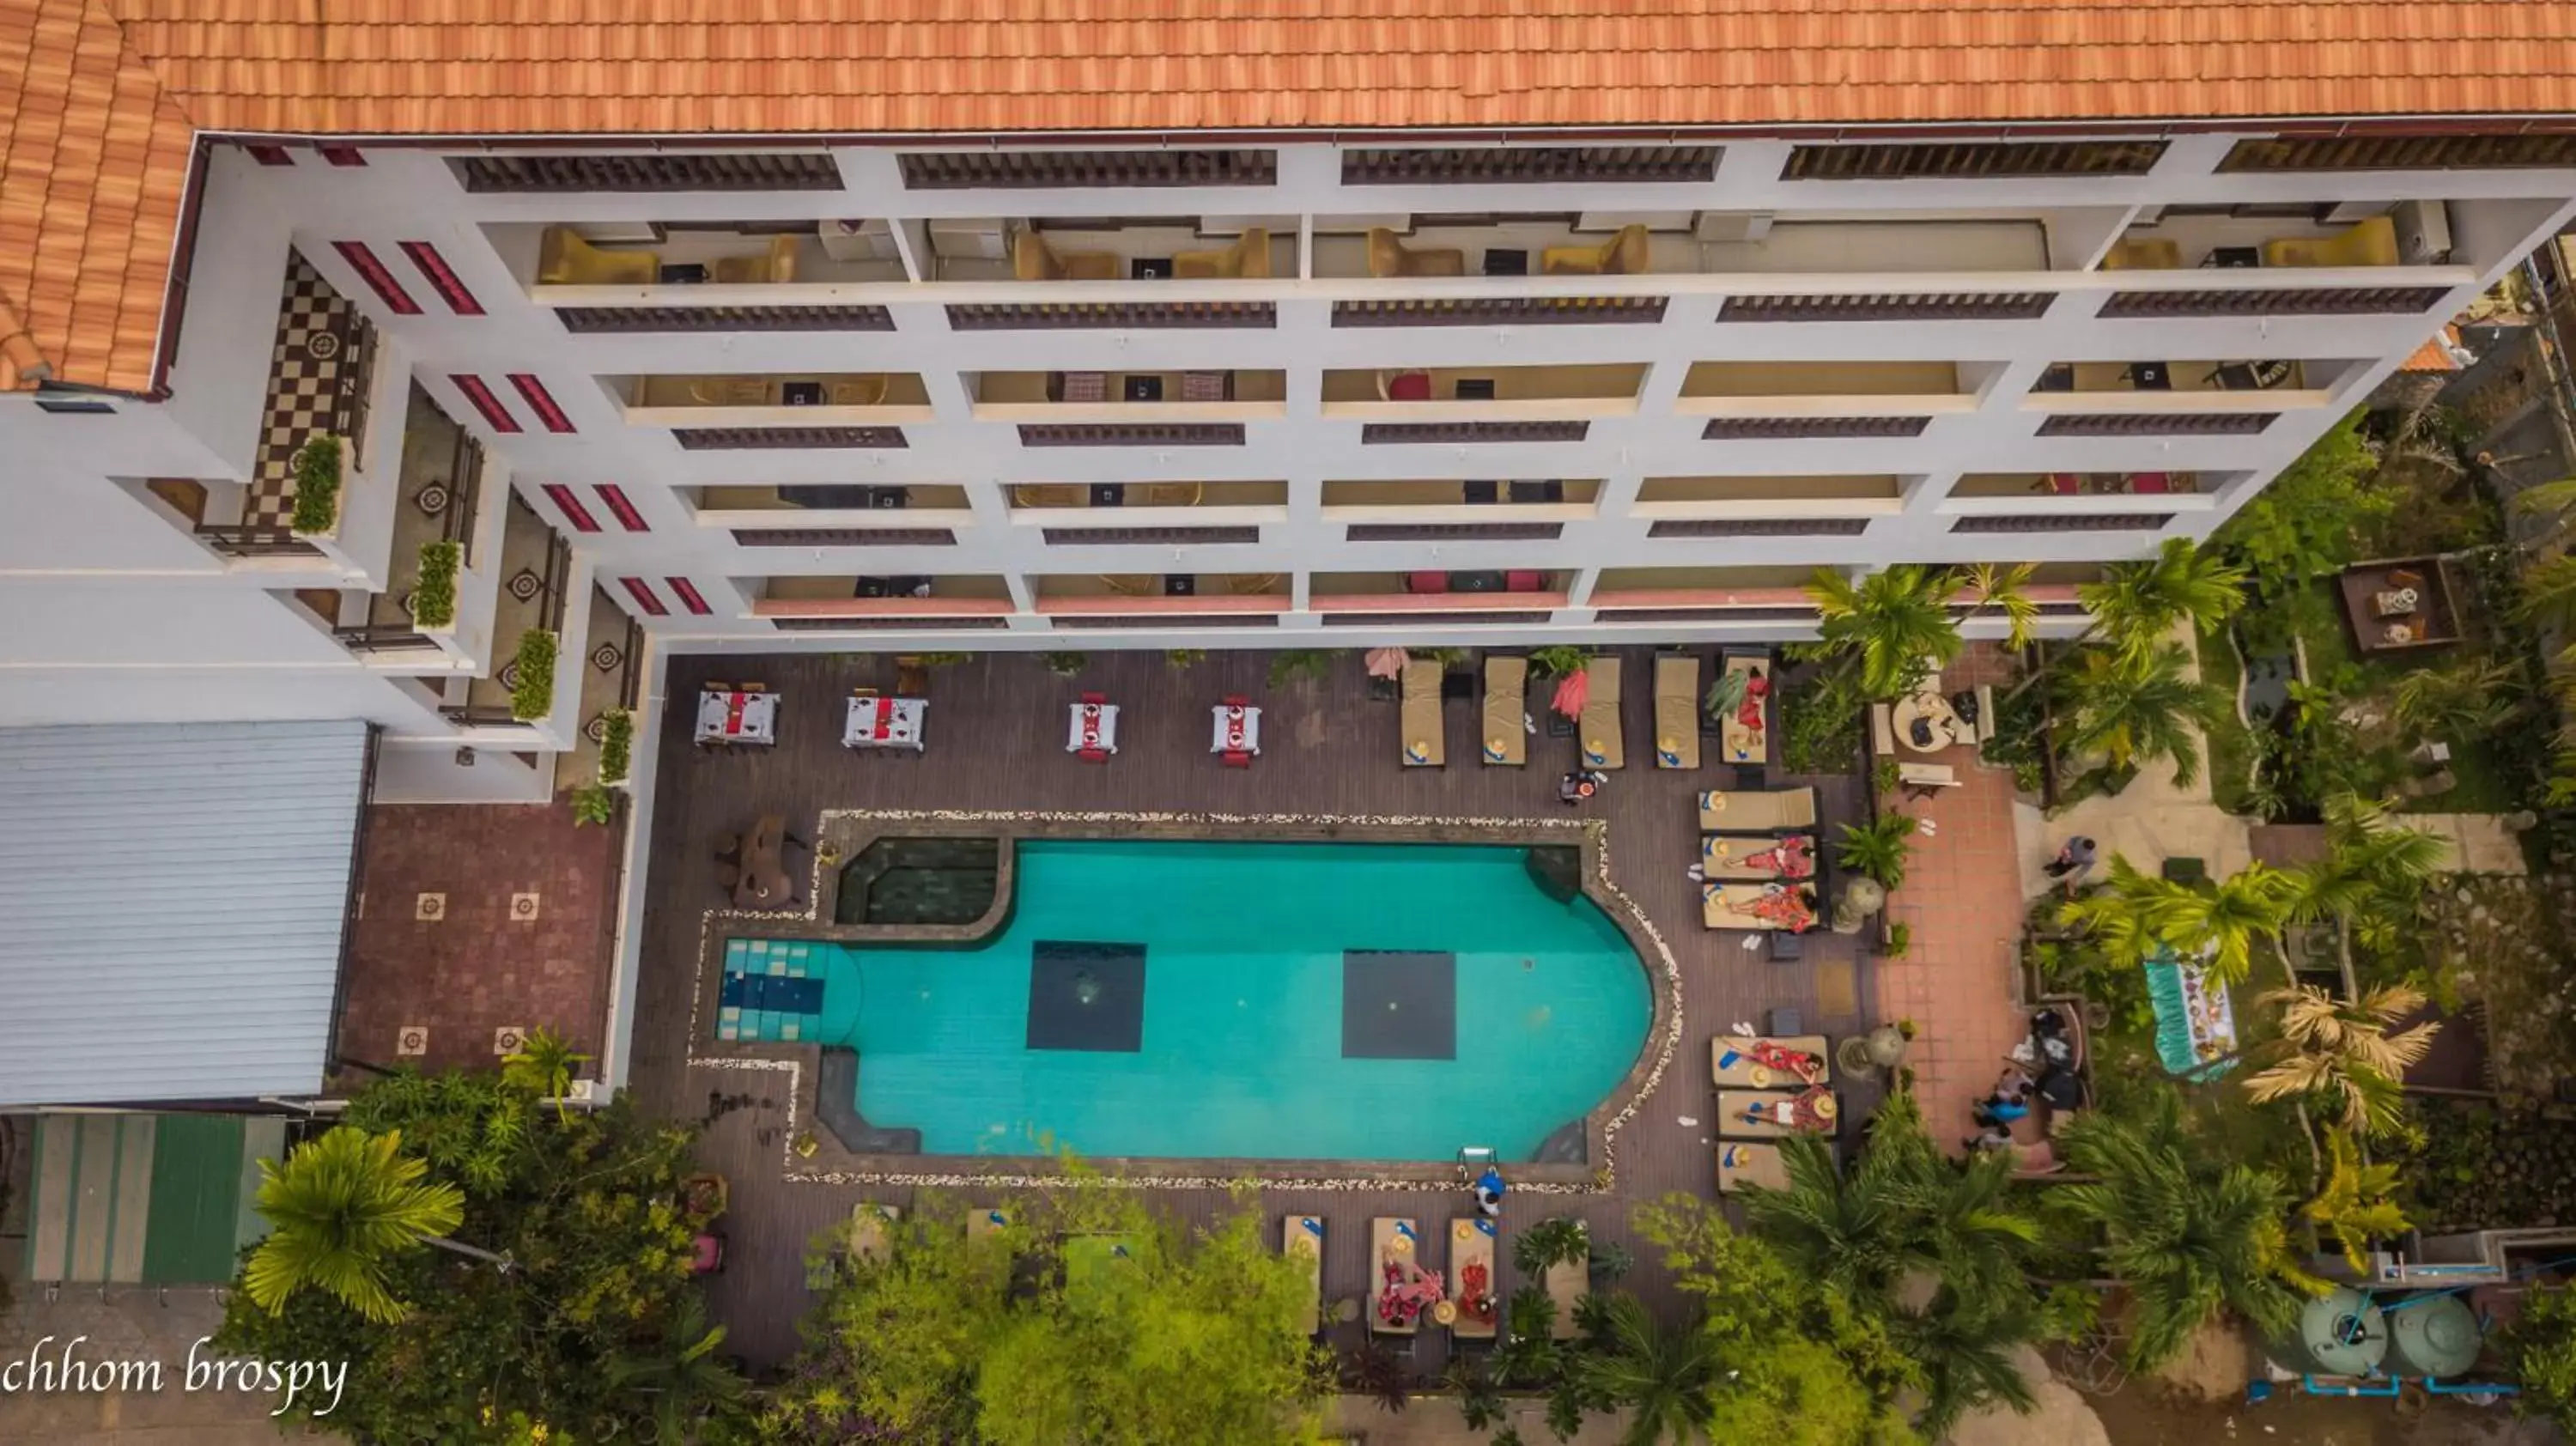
<point>1229,999</point>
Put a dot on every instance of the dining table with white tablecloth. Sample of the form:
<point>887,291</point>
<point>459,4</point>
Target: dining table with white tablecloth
<point>1237,728</point>
<point>1092,728</point>
<point>735,716</point>
<point>876,722</point>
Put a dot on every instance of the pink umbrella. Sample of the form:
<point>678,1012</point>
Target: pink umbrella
<point>1386,662</point>
<point>1571,691</point>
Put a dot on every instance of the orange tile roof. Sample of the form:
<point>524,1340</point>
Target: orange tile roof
<point>2435,355</point>
<point>100,95</point>
<point>482,66</point>
<point>93,161</point>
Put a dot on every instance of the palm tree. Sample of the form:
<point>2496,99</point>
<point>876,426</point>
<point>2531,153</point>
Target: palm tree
<point>1843,1232</point>
<point>683,1374</point>
<point>2357,1205</point>
<point>1904,1208</point>
<point>1999,586</point>
<point>1669,1381</point>
<point>2549,590</point>
<point>2221,922</point>
<point>2370,881</point>
<point>2123,914</point>
<point>2187,1241</point>
<point>2461,701</point>
<point>2136,604</point>
<point>2136,707</point>
<point>543,1065</point>
<point>1895,623</point>
<point>2342,1048</point>
<point>1966,1353</point>
<point>340,1211</point>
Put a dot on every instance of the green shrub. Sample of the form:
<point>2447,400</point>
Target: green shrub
<point>940,660</point>
<point>317,484</point>
<point>533,696</point>
<point>1820,723</point>
<point>1878,848</point>
<point>2541,1344</point>
<point>1557,661</point>
<point>1445,657</point>
<point>616,745</point>
<point>433,598</point>
<point>1065,665</point>
<point>1296,665</point>
<point>1182,659</point>
<point>593,803</point>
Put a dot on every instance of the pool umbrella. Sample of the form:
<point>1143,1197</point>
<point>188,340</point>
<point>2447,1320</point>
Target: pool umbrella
<point>1386,662</point>
<point>1571,690</point>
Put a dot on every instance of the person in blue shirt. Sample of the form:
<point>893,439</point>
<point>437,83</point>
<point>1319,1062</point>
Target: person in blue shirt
<point>1489,1192</point>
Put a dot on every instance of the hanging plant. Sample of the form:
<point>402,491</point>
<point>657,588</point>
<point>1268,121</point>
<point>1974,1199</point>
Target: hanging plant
<point>433,598</point>
<point>533,696</point>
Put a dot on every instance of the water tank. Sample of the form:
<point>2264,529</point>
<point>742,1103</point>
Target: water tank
<point>2432,1335</point>
<point>2341,1334</point>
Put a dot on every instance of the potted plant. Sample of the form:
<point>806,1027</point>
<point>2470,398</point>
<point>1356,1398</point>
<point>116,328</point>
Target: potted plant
<point>1064,665</point>
<point>616,745</point>
<point>317,487</point>
<point>433,597</point>
<point>593,802</point>
<point>532,697</point>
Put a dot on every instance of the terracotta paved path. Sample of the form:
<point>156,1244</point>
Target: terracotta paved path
<point>1962,898</point>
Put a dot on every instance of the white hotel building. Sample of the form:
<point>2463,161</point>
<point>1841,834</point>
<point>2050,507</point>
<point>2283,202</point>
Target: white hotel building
<point>871,391</point>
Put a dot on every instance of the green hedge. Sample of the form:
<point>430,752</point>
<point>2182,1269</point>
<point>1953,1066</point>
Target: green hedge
<point>616,745</point>
<point>317,485</point>
<point>534,695</point>
<point>433,599</point>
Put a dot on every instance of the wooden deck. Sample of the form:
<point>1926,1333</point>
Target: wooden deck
<point>996,735</point>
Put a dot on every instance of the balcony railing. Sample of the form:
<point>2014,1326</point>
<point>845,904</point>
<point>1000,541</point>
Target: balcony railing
<point>751,171</point>
<point>2277,301</point>
<point>1117,316</point>
<point>613,320</point>
<point>1505,311</point>
<point>1380,434</point>
<point>844,537</point>
<point>1528,165</point>
<point>384,638</point>
<point>2402,153</point>
<point>1132,434</point>
<point>2066,522</point>
<point>1757,429</point>
<point>1965,160</point>
<point>237,541</point>
<point>988,170</point>
<point>730,439</point>
<point>2157,424</point>
<point>1761,527</point>
<point>1893,306</point>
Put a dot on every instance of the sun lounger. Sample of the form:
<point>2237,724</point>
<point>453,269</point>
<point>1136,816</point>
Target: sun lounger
<point>1745,734</point>
<point>1401,1291</point>
<point>1748,812</point>
<point>1776,1114</point>
<point>1597,732</point>
<point>1740,1163</point>
<point>1472,1282</point>
<point>1506,719</point>
<point>1676,710</point>
<point>1421,732</point>
<point>1764,1063</point>
<point>1758,856</point>
<point>1301,1238</point>
<point>871,1240</point>
<point>1755,907</point>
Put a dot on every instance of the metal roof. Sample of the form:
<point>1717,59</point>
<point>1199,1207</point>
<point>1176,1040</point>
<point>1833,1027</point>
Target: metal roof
<point>172,898</point>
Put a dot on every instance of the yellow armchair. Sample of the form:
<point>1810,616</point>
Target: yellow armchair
<point>565,259</point>
<point>1032,259</point>
<point>1248,257</point>
<point>778,265</point>
<point>2150,255</point>
<point>1622,255</point>
<point>1388,256</point>
<point>2372,242</point>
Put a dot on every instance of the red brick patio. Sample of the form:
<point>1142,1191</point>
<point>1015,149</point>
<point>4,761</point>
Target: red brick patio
<point>475,919</point>
<point>1962,898</point>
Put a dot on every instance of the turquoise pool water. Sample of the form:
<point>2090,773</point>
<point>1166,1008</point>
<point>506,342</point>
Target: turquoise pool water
<point>1243,1048</point>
